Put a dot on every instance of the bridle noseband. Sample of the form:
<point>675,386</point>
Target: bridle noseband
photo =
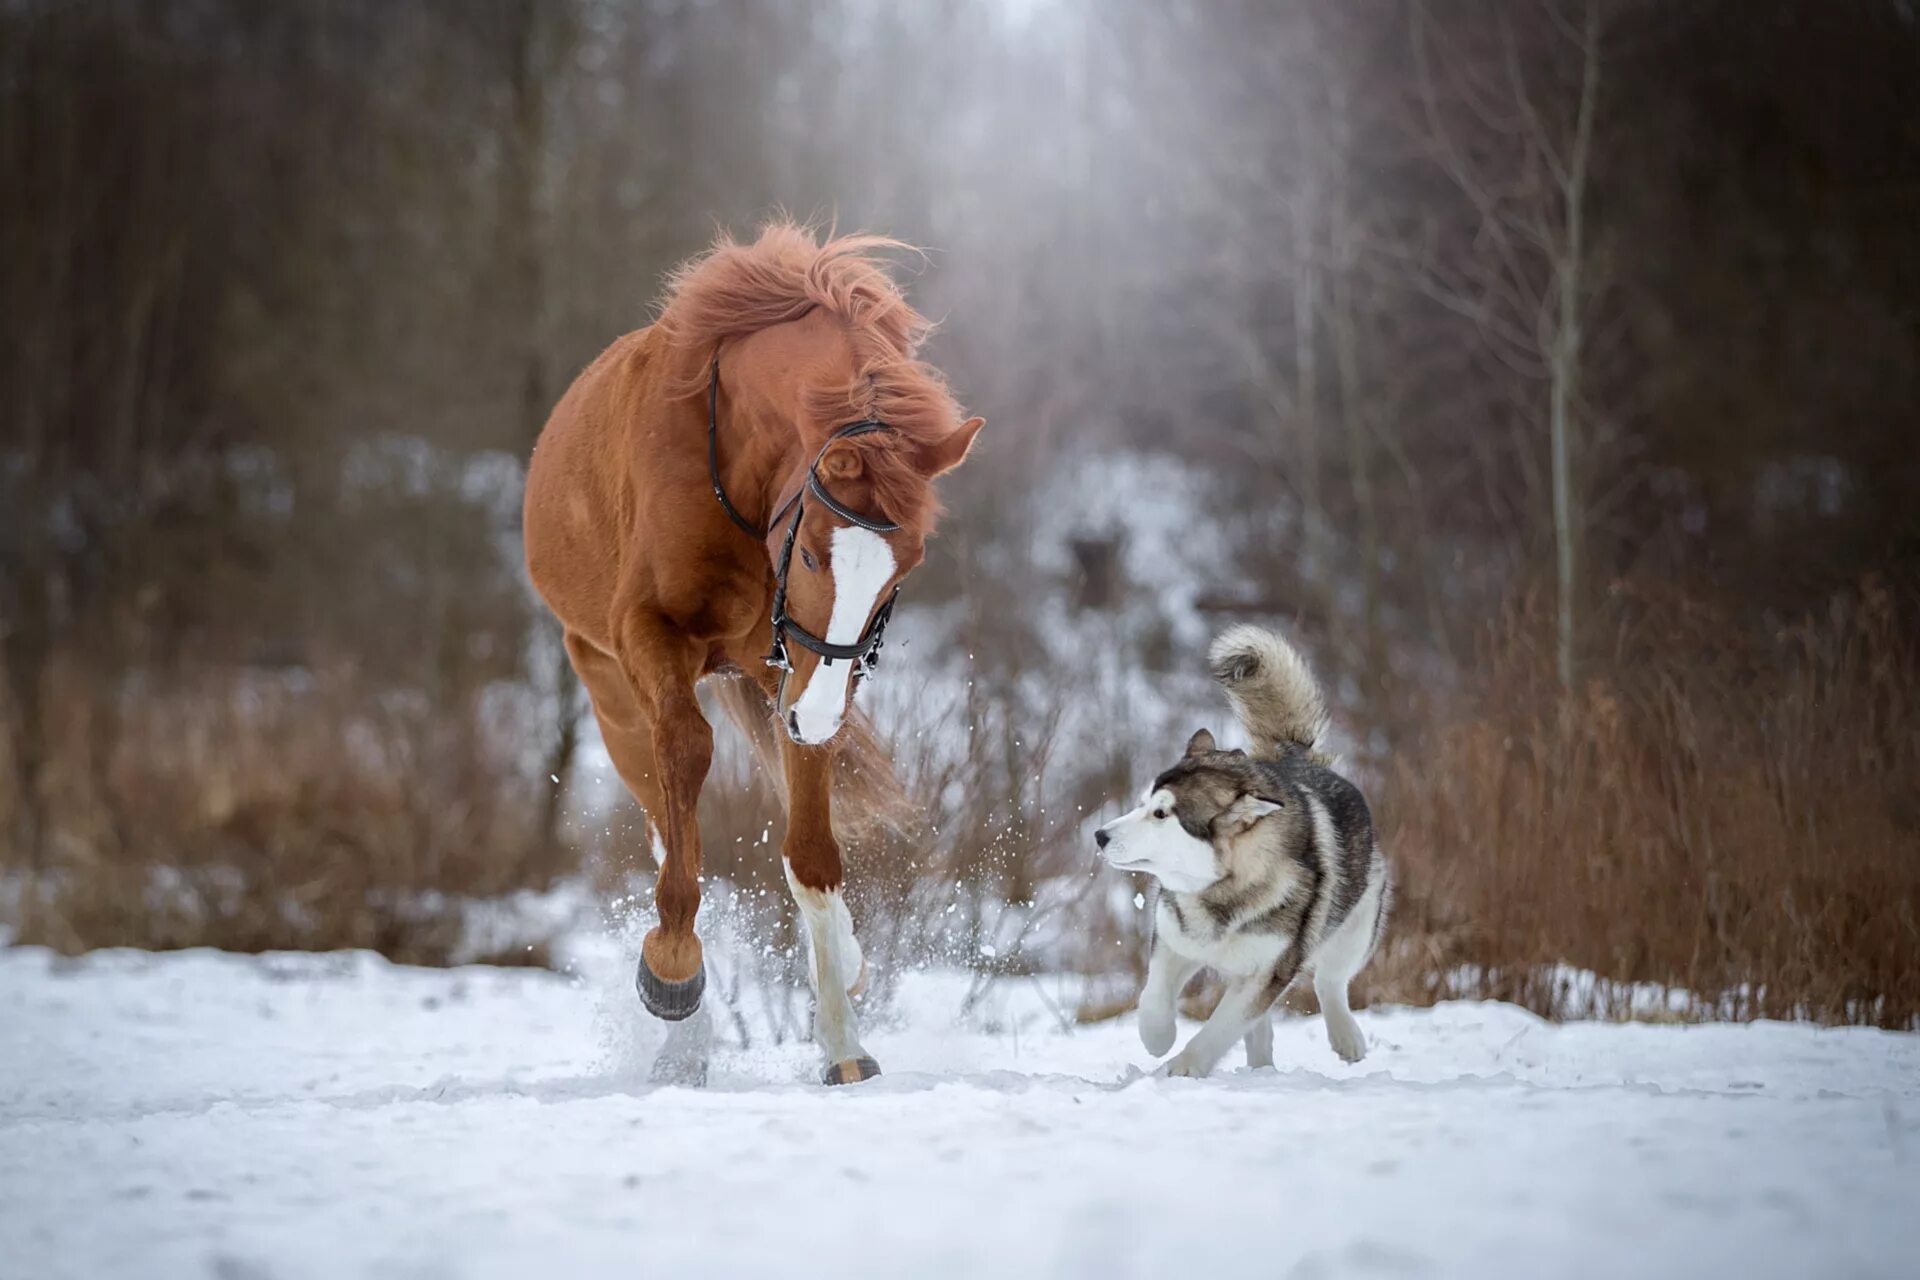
<point>864,652</point>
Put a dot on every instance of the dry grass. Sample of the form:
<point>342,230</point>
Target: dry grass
<point>1731,816</point>
<point>299,813</point>
<point>1715,824</point>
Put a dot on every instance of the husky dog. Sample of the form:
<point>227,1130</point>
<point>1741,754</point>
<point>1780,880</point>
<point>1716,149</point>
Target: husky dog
<point>1267,864</point>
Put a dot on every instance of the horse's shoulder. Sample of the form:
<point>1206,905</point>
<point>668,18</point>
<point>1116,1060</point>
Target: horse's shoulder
<point>580,505</point>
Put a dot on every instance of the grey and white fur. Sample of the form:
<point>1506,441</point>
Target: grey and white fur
<point>1267,863</point>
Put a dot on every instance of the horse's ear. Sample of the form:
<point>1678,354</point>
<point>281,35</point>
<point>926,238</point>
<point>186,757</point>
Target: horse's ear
<point>950,451</point>
<point>842,462</point>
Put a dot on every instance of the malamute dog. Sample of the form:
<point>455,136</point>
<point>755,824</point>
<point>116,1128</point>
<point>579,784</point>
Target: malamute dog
<point>1267,864</point>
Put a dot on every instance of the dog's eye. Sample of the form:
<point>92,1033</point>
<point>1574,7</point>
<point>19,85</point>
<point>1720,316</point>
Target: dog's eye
<point>806,558</point>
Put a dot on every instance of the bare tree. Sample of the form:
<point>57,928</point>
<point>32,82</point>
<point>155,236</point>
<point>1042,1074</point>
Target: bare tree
<point>536,41</point>
<point>1513,131</point>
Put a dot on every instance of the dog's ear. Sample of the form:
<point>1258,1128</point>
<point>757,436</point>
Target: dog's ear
<point>1245,811</point>
<point>1200,743</point>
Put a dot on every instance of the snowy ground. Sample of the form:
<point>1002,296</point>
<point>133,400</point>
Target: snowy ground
<point>290,1116</point>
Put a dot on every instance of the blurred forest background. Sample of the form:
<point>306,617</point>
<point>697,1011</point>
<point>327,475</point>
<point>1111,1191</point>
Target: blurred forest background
<point>1549,368</point>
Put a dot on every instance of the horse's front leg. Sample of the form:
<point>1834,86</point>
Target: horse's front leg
<point>812,860</point>
<point>662,666</point>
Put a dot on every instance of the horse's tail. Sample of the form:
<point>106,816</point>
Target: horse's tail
<point>868,798</point>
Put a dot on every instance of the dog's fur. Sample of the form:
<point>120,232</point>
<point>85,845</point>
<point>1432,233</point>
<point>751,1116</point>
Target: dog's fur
<point>1267,863</point>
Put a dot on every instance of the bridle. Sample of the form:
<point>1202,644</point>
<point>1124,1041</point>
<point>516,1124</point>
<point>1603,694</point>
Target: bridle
<point>864,652</point>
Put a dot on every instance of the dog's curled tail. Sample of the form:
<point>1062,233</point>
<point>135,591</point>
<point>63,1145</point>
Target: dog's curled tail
<point>1272,690</point>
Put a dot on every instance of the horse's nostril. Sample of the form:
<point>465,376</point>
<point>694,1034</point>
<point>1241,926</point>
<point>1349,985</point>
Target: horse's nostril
<point>1101,837</point>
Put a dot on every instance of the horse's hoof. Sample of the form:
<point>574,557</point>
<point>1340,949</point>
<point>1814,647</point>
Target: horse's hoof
<point>670,1001</point>
<point>852,1071</point>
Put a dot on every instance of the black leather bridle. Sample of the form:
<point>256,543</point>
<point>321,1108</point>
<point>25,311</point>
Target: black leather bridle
<point>864,653</point>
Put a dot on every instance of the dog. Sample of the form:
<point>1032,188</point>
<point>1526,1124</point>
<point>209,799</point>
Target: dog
<point>1267,864</point>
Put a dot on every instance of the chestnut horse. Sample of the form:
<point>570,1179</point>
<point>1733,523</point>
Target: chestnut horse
<point>737,491</point>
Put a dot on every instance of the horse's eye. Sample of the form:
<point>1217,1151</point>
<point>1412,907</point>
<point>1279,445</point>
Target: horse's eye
<point>806,558</point>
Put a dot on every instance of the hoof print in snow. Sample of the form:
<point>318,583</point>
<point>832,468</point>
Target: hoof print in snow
<point>670,1001</point>
<point>685,1073</point>
<point>682,1060</point>
<point>852,1071</point>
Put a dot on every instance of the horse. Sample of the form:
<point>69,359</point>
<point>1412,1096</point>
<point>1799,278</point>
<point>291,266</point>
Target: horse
<point>735,493</point>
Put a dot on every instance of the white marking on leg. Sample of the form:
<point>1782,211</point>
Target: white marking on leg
<point>862,563</point>
<point>833,965</point>
<point>659,846</point>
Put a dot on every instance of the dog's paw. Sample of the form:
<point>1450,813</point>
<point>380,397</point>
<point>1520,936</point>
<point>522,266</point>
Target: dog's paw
<point>1183,1067</point>
<point>1347,1040</point>
<point>1156,1031</point>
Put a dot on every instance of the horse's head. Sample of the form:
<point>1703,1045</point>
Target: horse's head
<point>850,550</point>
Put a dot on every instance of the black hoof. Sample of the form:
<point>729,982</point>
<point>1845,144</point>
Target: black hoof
<point>852,1071</point>
<point>670,1001</point>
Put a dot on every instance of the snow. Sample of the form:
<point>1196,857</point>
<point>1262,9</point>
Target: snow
<point>200,1114</point>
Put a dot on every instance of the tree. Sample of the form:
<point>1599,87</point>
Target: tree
<point>1512,128</point>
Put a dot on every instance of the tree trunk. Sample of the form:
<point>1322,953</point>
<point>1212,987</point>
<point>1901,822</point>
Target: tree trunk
<point>1567,354</point>
<point>1306,368</point>
<point>23,655</point>
<point>539,36</point>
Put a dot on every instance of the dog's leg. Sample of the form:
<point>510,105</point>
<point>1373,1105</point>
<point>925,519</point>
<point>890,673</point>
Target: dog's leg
<point>1245,999</point>
<point>1167,974</point>
<point>1340,958</point>
<point>1260,1041</point>
<point>1343,1033</point>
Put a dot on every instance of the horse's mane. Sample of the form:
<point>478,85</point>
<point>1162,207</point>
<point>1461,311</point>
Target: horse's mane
<point>735,289</point>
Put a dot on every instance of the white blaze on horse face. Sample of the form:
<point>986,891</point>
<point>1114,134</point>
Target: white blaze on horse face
<point>862,564</point>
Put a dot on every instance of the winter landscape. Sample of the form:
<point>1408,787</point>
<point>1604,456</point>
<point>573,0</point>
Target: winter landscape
<point>1544,373</point>
<point>200,1114</point>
